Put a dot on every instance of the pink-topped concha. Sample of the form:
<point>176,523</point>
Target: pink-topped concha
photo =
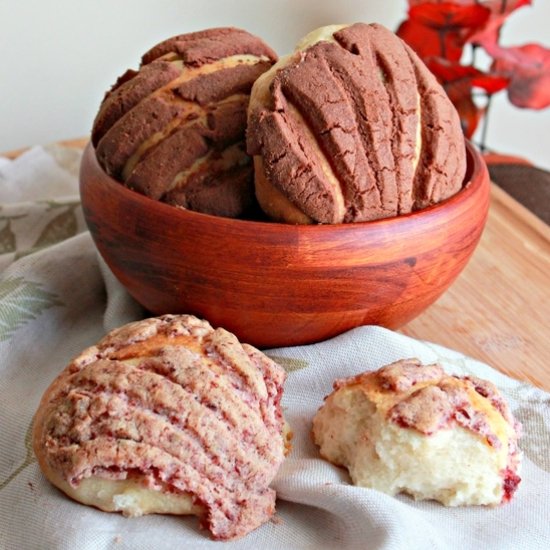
<point>167,415</point>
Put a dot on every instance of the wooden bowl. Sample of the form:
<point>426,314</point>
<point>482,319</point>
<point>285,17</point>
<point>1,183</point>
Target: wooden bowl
<point>274,284</point>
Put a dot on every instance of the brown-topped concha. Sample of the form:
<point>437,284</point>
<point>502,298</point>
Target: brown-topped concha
<point>352,127</point>
<point>175,129</point>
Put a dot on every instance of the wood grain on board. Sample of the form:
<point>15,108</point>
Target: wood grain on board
<point>498,310</point>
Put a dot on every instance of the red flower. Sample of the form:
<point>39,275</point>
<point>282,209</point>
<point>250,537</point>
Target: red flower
<point>441,29</point>
<point>458,81</point>
<point>470,114</point>
<point>451,73</point>
<point>450,16</point>
<point>500,10</point>
<point>528,68</point>
<point>503,7</point>
<point>428,42</point>
<point>438,31</point>
<point>496,6</point>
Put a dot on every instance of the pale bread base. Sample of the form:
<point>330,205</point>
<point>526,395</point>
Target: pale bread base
<point>454,466</point>
<point>128,496</point>
<point>272,201</point>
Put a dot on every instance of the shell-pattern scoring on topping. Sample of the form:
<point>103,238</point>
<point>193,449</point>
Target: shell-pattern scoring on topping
<point>177,406</point>
<point>175,129</point>
<point>353,127</point>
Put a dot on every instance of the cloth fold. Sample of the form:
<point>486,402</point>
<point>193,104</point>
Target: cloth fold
<point>57,297</point>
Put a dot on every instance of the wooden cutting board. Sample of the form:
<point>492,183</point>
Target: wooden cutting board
<point>498,310</point>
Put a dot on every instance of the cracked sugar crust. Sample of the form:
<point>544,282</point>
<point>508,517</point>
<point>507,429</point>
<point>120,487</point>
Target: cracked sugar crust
<point>367,132</point>
<point>172,406</point>
<point>170,130</point>
<point>426,399</point>
<point>406,409</point>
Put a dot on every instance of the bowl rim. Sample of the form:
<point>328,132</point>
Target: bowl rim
<point>476,175</point>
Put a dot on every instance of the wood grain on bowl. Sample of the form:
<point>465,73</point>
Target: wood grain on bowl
<point>276,284</point>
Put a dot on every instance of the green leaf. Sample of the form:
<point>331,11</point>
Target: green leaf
<point>7,239</point>
<point>58,229</point>
<point>535,434</point>
<point>53,204</point>
<point>29,458</point>
<point>288,363</point>
<point>22,301</point>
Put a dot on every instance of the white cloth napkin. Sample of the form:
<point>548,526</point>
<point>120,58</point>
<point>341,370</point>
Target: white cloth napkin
<point>56,298</point>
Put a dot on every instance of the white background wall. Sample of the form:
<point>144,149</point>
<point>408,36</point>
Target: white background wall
<point>57,57</point>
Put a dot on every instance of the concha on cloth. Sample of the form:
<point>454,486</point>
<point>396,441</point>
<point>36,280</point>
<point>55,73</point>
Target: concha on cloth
<point>352,127</point>
<point>175,129</point>
<point>167,415</point>
<point>414,429</point>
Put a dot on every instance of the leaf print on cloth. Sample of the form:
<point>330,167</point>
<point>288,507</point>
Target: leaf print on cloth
<point>62,227</point>
<point>7,239</point>
<point>536,432</point>
<point>20,302</point>
<point>289,363</point>
<point>29,458</point>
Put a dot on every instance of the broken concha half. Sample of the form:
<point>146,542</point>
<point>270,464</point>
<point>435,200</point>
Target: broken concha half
<point>352,127</point>
<point>414,429</point>
<point>168,416</point>
<point>175,129</point>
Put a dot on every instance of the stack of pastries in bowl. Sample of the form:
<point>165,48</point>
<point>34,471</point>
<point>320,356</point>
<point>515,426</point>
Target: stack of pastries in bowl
<point>287,200</point>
